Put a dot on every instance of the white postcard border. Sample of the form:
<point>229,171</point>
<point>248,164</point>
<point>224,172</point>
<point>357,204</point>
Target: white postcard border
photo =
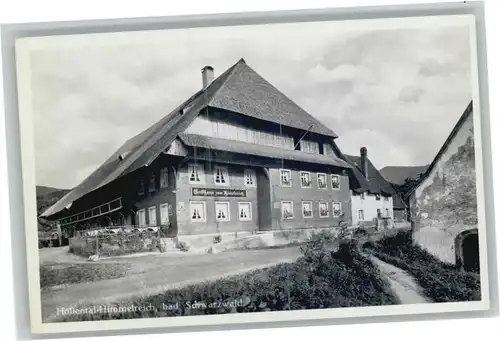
<point>23,48</point>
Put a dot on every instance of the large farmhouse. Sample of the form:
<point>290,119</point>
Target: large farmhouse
<point>237,156</point>
<point>443,202</point>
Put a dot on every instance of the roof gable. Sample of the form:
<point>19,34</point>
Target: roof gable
<point>375,184</point>
<point>463,118</point>
<point>246,92</point>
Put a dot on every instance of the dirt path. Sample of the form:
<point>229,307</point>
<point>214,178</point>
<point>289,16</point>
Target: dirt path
<point>162,272</point>
<point>403,284</point>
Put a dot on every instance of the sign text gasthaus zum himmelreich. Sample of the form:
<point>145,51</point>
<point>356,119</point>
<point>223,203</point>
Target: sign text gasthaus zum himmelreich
<point>218,192</point>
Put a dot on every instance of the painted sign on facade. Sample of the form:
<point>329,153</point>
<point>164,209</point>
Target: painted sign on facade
<point>217,192</point>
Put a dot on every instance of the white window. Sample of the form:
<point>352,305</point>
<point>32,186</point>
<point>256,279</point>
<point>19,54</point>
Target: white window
<point>387,212</point>
<point>321,180</point>
<point>140,191</point>
<point>307,209</point>
<point>196,174</point>
<point>245,211</point>
<point>164,219</point>
<point>198,211</point>
<point>305,179</point>
<point>361,215</point>
<point>335,182</point>
<point>250,178</point>
<point>323,210</point>
<point>336,209</point>
<point>152,183</point>
<point>163,177</point>
<point>141,217</point>
<point>221,176</point>
<point>152,216</point>
<point>222,212</point>
<point>286,177</point>
<point>362,196</point>
<point>287,209</point>
<point>309,146</point>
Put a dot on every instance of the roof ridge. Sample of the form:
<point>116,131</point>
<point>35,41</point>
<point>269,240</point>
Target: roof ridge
<point>230,71</point>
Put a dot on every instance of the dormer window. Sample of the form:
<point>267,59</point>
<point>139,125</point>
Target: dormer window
<point>123,155</point>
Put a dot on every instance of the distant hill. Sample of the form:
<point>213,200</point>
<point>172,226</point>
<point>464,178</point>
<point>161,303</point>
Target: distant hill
<point>43,190</point>
<point>398,174</point>
<point>46,197</point>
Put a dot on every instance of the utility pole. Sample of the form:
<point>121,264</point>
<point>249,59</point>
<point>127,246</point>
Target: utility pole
<point>303,135</point>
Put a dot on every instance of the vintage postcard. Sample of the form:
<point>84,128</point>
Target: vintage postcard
<point>239,174</point>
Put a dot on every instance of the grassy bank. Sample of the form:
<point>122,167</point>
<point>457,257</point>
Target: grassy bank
<point>441,282</point>
<point>321,278</point>
<point>59,274</point>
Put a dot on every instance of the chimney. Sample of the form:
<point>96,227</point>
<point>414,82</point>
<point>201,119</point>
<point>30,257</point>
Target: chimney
<point>207,75</point>
<point>364,161</point>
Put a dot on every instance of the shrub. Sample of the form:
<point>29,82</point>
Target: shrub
<point>116,244</point>
<point>322,278</point>
<point>58,274</point>
<point>182,246</point>
<point>441,282</point>
<point>217,239</point>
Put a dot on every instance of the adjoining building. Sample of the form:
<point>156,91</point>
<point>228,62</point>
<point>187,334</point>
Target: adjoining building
<point>237,156</point>
<point>373,199</point>
<point>443,202</point>
<point>398,176</point>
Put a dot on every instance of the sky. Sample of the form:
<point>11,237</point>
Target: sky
<point>396,90</point>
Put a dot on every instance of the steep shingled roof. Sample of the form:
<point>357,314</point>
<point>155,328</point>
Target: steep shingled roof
<point>238,89</point>
<point>375,184</point>
<point>246,92</point>
<point>398,174</point>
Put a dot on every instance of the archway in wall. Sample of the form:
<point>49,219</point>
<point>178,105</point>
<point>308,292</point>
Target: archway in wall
<point>470,249</point>
<point>467,250</point>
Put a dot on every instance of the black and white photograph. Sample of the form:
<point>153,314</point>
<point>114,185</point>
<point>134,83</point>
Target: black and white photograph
<point>253,173</point>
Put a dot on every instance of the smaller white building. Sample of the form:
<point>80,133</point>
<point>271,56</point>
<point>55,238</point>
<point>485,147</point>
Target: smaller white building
<point>366,207</point>
<point>372,197</point>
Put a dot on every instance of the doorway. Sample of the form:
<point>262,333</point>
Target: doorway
<point>470,250</point>
<point>467,250</point>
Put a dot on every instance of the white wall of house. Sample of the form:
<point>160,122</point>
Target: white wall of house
<point>369,206</point>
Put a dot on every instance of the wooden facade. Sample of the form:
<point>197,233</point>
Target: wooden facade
<point>164,193</point>
<point>237,156</point>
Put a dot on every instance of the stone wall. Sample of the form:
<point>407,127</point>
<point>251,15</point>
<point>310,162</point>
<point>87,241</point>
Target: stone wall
<point>444,204</point>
